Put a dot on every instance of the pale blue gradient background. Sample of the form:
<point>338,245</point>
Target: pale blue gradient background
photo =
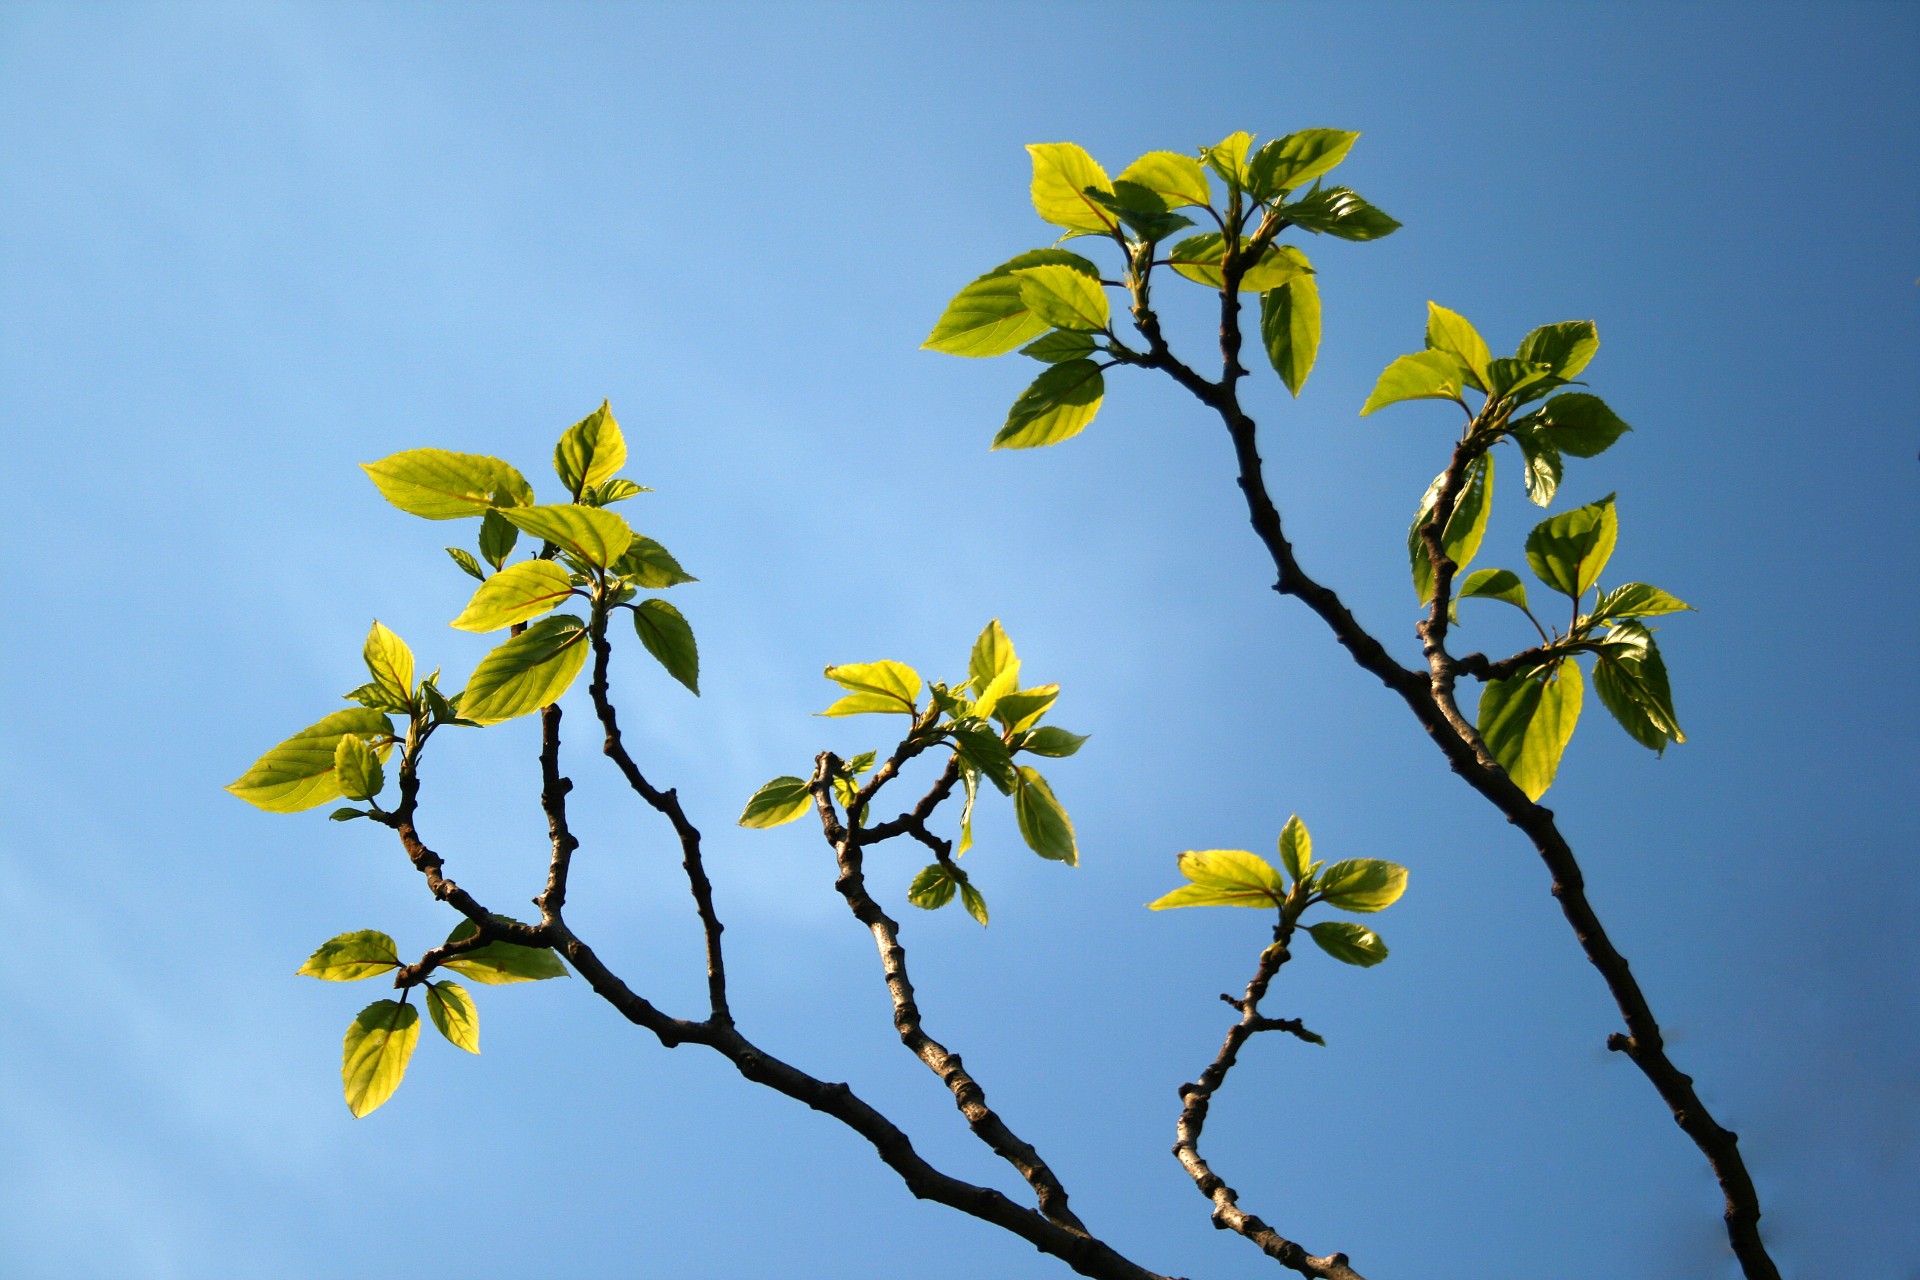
<point>243,248</point>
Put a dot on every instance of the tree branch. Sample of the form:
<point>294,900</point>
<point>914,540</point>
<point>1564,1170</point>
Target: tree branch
<point>1197,1099</point>
<point>848,843</point>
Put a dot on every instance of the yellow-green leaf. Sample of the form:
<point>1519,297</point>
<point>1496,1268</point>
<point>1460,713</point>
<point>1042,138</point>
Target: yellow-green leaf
<point>992,654</point>
<point>1057,406</point>
<point>894,685</point>
<point>989,317</point>
<point>374,1058</point>
<point>1361,884</point>
<point>440,485</point>
<point>1021,710</point>
<point>515,594</point>
<point>1526,722</point>
<point>527,672</point>
<point>933,888</point>
<point>390,661</point>
<point>1063,297</point>
<point>590,451</point>
<point>1290,329</point>
<point>1569,550</point>
<point>777,802</point>
<point>1465,528</point>
<point>1228,157</point>
<point>1450,331</point>
<point>650,565</point>
<point>1423,375</point>
<point>299,773</point>
<point>1177,179</point>
<point>351,957</point>
<point>1199,258</point>
<point>501,963</point>
<point>1297,159</point>
<point>452,1011</point>
<point>589,534</point>
<point>1349,943</point>
<point>1225,878</point>
<point>1062,171</point>
<point>1566,348</point>
<point>357,768</point>
<point>1044,825</point>
<point>1296,848</point>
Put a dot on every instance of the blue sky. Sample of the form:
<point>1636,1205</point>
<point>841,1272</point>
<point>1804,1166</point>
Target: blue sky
<point>243,248</point>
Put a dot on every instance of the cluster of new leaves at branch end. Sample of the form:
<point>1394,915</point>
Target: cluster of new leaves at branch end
<point>985,721</point>
<point>381,1038</point>
<point>1532,701</point>
<point>1237,878</point>
<point>1052,305</point>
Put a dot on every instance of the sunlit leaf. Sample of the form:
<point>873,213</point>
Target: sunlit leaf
<point>374,1056</point>
<point>439,485</point>
<point>1361,884</point>
<point>777,802</point>
<point>299,773</point>
<point>452,1011</point>
<point>1057,406</point>
<point>1296,848</point>
<point>350,957</point>
<point>933,888</point>
<point>590,451</point>
<point>1063,297</point>
<point>1526,722</point>
<point>989,317</point>
<point>1569,550</point>
<point>1201,259</point>
<point>1449,331</point>
<point>1062,171</point>
<point>1341,213</point>
<point>357,768</point>
<point>1423,375</point>
<point>389,661</point>
<point>1348,942</point>
<point>527,672</point>
<point>1290,329</point>
<point>884,686</point>
<point>1565,348</point>
<point>515,594</point>
<point>589,534</point>
<point>501,963</point>
<point>1297,159</point>
<point>1465,527</point>
<point>650,565</point>
<point>1494,584</point>
<point>1225,878</point>
<point>1177,179</point>
<point>992,655</point>
<point>1575,423</point>
<point>467,563</point>
<point>1044,825</point>
<point>1051,740</point>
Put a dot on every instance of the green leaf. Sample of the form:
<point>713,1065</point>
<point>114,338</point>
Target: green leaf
<point>1520,380</point>
<point>1341,213</point>
<point>884,686</point>
<point>1361,884</point>
<point>1050,740</point>
<point>1290,328</point>
<point>527,672</point>
<point>299,774</point>
<point>588,534</point>
<point>1228,158</point>
<point>1044,825</point>
<point>1569,550</point>
<point>1058,406</point>
<point>1060,346</point>
<point>1224,878</point>
<point>1465,527</point>
<point>1140,210</point>
<point>861,763</point>
<point>467,563</point>
<point>515,594</point>
<point>390,662</point>
<point>357,768</point>
<point>975,904</point>
<point>452,1011</point>
<point>347,815</point>
<point>1200,258</point>
<point>1177,179</point>
<point>1526,722</point>
<point>989,317</point>
<point>1574,423</point>
<point>497,539</point>
<point>1565,348</point>
<point>992,655</point>
<point>989,700</point>
<point>1062,172</point>
<point>500,963</point>
<point>374,1056</point>
<point>1449,331</point>
<point>1296,848</point>
<point>1631,679</point>
<point>1349,943</point>
<point>590,451</point>
<point>970,781</point>
<point>932,889</point>
<point>439,485</point>
<point>1638,600</point>
<point>981,748</point>
<point>669,639</point>
<point>1494,584</point>
<point>1423,375</point>
<point>1543,466</point>
<point>1021,710</point>
<point>777,803</point>
<point>1297,159</point>
<point>615,490</point>
<point>650,565</point>
<point>350,957</point>
<point>1063,297</point>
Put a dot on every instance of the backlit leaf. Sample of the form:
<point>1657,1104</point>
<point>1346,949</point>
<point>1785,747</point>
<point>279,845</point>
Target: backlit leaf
<point>1057,406</point>
<point>350,957</point>
<point>1062,172</point>
<point>992,654</point>
<point>501,963</point>
<point>389,661</point>
<point>1638,600</point>
<point>1044,825</point>
<point>989,317</point>
<point>1060,346</point>
<point>1341,213</point>
<point>1297,159</point>
<point>1296,848</point>
<point>1449,331</point>
<point>527,672</point>
<point>1464,529</point>
<point>589,534</point>
<point>876,686</point>
<point>1063,297</point>
<point>1200,258</point>
<point>1569,550</point>
<point>1423,375</point>
<point>1494,584</point>
<point>1224,878</point>
<point>1290,329</point>
<point>932,889</point>
<point>1177,179</point>
<point>590,451</point>
<point>650,565</point>
<point>439,485</point>
<point>357,768</point>
<point>1575,423</point>
<point>1348,942</point>
<point>515,594</point>
<point>1361,884</point>
<point>375,1053</point>
<point>777,802</point>
<point>452,1011</point>
<point>1565,347</point>
<point>1526,722</point>
<point>1228,158</point>
<point>299,774</point>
